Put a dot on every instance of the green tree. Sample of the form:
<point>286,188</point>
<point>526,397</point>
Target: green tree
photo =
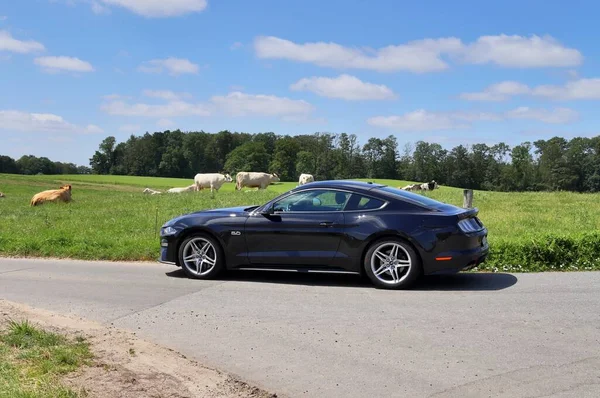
<point>251,156</point>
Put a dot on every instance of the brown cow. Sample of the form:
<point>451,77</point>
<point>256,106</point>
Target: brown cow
<point>53,195</point>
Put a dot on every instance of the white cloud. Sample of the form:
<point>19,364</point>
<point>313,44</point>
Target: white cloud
<point>498,92</point>
<point>9,43</point>
<point>422,120</point>
<point>417,56</point>
<point>42,123</point>
<point>240,104</point>
<point>233,104</point>
<point>170,109</point>
<point>521,52</point>
<point>111,97</point>
<point>99,9</point>
<point>93,129</point>
<point>345,87</point>
<point>56,64</point>
<point>130,128</point>
<point>555,116</point>
<point>581,89</point>
<point>165,123</point>
<point>426,55</point>
<point>174,66</point>
<point>166,95</point>
<point>160,8</point>
<point>419,120</point>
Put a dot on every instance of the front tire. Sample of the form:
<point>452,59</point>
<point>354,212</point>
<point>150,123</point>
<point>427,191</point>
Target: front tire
<point>392,263</point>
<point>201,257</point>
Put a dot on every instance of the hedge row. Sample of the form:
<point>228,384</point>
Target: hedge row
<point>576,252</point>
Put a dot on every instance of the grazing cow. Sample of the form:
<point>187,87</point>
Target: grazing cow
<point>305,179</point>
<point>53,195</point>
<point>214,181</point>
<point>184,189</point>
<point>151,191</point>
<point>412,187</point>
<point>2,195</point>
<point>254,180</point>
<point>429,186</point>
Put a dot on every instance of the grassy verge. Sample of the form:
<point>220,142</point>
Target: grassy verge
<point>110,219</point>
<point>33,360</point>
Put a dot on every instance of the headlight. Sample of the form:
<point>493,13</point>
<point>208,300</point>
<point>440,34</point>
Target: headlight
<point>167,231</point>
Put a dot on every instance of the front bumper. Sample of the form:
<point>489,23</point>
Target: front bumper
<point>168,250</point>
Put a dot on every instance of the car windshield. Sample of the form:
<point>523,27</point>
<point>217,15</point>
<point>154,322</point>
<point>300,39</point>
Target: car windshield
<point>414,197</point>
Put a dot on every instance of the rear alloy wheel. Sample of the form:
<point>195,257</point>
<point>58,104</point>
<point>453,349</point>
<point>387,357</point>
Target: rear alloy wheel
<point>200,257</point>
<point>392,264</point>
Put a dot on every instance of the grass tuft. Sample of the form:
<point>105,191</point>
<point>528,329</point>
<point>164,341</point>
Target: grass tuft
<point>32,361</point>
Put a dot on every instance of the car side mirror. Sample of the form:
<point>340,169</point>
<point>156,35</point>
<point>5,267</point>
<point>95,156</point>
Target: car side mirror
<point>267,211</point>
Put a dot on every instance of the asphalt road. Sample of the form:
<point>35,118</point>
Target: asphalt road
<point>467,335</point>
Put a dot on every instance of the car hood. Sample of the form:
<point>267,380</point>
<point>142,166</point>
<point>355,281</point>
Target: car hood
<point>228,210</point>
<point>238,210</point>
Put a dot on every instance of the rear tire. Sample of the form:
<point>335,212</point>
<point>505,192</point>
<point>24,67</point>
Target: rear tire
<point>201,256</point>
<point>391,263</point>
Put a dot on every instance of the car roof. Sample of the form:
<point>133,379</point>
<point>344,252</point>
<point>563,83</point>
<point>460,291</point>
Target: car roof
<point>342,184</point>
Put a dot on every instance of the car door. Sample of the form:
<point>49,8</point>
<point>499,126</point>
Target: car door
<point>303,230</point>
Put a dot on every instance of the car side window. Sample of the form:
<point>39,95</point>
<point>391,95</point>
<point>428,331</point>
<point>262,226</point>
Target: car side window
<point>313,201</point>
<point>360,202</point>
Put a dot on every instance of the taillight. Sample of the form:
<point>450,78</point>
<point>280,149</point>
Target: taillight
<point>469,225</point>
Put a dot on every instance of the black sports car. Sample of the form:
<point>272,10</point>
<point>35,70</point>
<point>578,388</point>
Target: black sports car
<point>392,236</point>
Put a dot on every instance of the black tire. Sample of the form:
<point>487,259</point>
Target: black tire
<point>215,252</point>
<point>405,278</point>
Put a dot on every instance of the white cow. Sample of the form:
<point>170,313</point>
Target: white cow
<point>151,191</point>
<point>184,189</point>
<point>254,180</point>
<point>214,181</point>
<point>305,179</point>
<point>429,186</point>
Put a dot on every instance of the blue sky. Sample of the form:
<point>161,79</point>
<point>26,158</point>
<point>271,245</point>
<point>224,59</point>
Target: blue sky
<point>76,71</point>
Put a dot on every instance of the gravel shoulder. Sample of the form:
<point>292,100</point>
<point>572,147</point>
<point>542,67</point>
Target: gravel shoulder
<point>126,366</point>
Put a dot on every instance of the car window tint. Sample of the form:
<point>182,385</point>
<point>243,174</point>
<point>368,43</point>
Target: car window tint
<point>414,197</point>
<point>360,202</point>
<point>313,200</point>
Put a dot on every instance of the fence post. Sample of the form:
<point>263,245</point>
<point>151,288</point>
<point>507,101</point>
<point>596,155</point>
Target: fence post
<point>467,198</point>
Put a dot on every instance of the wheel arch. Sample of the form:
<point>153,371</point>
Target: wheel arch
<point>387,235</point>
<point>195,230</point>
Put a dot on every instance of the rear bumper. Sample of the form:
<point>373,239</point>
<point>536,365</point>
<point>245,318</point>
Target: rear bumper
<point>458,260</point>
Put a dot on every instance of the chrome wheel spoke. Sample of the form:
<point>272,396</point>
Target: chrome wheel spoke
<point>394,252</point>
<point>382,257</point>
<point>188,258</point>
<point>381,270</point>
<point>210,261</point>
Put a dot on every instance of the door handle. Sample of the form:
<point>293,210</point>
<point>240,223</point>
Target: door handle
<point>326,223</point>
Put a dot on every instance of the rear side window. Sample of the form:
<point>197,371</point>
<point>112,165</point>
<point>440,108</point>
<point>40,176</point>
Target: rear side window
<point>360,202</point>
<point>414,197</point>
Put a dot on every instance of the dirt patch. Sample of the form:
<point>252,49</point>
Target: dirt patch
<point>126,366</point>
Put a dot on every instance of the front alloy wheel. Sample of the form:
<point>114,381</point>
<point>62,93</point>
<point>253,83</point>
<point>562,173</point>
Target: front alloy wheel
<point>200,257</point>
<point>392,264</point>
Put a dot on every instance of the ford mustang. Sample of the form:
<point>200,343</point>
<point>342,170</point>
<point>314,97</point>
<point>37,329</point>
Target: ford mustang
<point>390,235</point>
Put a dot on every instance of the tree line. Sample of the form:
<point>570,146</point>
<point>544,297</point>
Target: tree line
<point>554,164</point>
<point>32,165</point>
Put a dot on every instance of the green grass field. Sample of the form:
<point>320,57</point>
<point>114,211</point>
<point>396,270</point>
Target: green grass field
<point>33,360</point>
<point>112,219</point>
